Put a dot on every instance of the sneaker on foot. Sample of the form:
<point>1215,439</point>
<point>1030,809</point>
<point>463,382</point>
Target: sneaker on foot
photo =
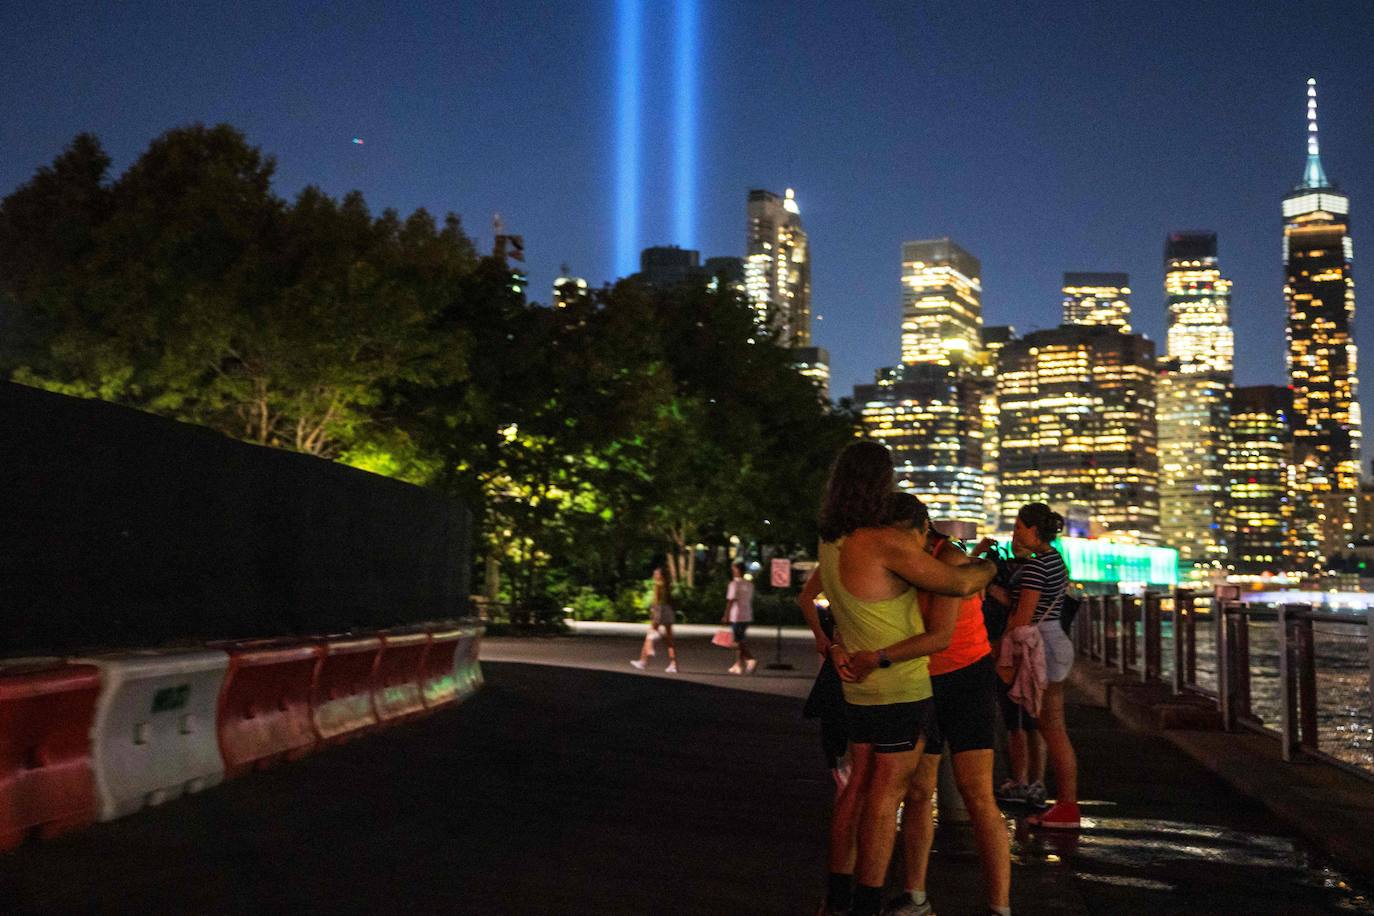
<point>1063,816</point>
<point>1035,795</point>
<point>637,663</point>
<point>905,905</point>
<point>672,668</point>
<point>1011,792</point>
<point>736,669</point>
<point>750,665</point>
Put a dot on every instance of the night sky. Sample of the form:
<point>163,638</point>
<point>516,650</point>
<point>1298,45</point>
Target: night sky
<point>1043,137</point>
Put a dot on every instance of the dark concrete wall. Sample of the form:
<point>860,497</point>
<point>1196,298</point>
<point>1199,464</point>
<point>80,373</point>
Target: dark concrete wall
<point>118,528</point>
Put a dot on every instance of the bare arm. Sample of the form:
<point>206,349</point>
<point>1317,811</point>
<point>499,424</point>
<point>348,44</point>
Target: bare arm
<point>1024,611</point>
<point>807,601</point>
<point>940,618</point>
<point>900,554</point>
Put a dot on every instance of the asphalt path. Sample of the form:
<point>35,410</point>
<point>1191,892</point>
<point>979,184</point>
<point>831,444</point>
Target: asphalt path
<point>575,784</point>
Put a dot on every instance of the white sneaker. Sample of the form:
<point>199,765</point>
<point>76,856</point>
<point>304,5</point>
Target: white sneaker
<point>672,668</point>
<point>750,665</point>
<point>637,663</point>
<point>736,669</point>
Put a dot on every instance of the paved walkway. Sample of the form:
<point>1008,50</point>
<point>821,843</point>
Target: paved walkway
<point>567,789</point>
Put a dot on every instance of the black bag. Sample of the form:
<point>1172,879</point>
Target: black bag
<point>995,613</point>
<point>1068,610</point>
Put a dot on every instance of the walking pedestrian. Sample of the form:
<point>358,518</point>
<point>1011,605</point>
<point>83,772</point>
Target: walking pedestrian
<point>962,678</point>
<point>739,613</point>
<point>869,572</point>
<point>661,619</point>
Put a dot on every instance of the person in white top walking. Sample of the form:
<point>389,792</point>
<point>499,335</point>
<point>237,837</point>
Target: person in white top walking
<point>739,613</point>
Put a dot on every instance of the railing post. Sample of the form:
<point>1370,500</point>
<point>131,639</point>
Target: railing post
<point>1288,714</point>
<point>1225,676</point>
<point>1190,643</point>
<point>1130,613</point>
<point>1240,662</point>
<point>1307,682</point>
<point>1150,671</point>
<point>1119,601</point>
<point>1177,646</point>
<point>1099,634</point>
<point>1369,641</point>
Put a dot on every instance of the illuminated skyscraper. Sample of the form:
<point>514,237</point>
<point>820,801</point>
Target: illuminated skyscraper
<point>994,339</point>
<point>929,417</point>
<point>1194,392</point>
<point>942,304</point>
<point>567,288</point>
<point>1260,467</point>
<point>814,363</point>
<point>1098,299</point>
<point>1077,429</point>
<point>1199,302</point>
<point>1322,365</point>
<point>777,268</point>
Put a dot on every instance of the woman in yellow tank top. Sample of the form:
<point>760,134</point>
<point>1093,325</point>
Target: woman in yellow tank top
<point>869,573</point>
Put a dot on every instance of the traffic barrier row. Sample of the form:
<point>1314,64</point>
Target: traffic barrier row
<point>100,737</point>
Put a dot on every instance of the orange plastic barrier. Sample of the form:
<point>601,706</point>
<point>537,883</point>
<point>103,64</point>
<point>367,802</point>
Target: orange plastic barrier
<point>396,686</point>
<point>438,686</point>
<point>264,708</point>
<point>46,782</point>
<point>341,703</point>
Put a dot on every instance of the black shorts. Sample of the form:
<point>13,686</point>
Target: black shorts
<point>965,708</point>
<point>740,629</point>
<point>1014,715</point>
<point>891,728</point>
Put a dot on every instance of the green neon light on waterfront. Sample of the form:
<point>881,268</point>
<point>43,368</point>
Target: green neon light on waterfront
<point>1093,560</point>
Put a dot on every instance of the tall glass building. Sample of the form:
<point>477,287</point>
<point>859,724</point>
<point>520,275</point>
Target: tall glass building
<point>1322,365</point>
<point>1077,429</point>
<point>1098,299</point>
<point>777,268</point>
<point>929,417</point>
<point>1260,470</point>
<point>942,302</point>
<point>1194,391</point>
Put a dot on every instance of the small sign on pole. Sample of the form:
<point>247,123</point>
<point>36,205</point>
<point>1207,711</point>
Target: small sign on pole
<point>780,573</point>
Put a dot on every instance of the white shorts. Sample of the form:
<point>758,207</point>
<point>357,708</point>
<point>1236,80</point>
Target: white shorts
<point>661,615</point>
<point>1058,651</point>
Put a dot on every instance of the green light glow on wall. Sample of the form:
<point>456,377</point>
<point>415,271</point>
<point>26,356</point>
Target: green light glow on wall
<point>1092,560</point>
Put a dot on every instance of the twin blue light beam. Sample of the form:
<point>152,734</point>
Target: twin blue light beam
<point>629,22</point>
<point>629,67</point>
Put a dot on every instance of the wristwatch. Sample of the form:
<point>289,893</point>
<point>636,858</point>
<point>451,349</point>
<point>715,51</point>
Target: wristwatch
<point>883,660</point>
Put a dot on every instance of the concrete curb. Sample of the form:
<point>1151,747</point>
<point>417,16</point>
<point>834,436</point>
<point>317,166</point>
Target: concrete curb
<point>1330,808</point>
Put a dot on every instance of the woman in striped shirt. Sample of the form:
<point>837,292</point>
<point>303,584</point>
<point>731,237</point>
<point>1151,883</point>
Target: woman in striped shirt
<point>1037,596</point>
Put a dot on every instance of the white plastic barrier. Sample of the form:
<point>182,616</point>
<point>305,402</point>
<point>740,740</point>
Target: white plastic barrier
<point>467,669</point>
<point>154,735</point>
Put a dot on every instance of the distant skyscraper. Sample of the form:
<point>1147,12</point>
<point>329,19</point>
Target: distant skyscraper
<point>994,339</point>
<point>814,363</point>
<point>1320,295</point>
<point>1199,303</point>
<point>1077,428</point>
<point>1098,299</point>
<point>727,272</point>
<point>567,288</point>
<point>667,266</point>
<point>777,268</point>
<point>1260,468</point>
<point>929,417</point>
<point>942,302</point>
<point>1194,393</point>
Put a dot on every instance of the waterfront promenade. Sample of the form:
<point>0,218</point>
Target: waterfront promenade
<point>573,784</point>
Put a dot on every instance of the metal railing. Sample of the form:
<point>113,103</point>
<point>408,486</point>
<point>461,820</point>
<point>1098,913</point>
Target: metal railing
<point>1128,633</point>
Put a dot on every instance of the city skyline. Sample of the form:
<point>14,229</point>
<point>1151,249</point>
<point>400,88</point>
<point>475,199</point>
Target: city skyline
<point>944,122</point>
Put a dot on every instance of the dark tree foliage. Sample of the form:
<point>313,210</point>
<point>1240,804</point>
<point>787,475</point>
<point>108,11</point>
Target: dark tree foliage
<point>628,423</point>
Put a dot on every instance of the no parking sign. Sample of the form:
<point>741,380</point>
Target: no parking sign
<point>780,574</point>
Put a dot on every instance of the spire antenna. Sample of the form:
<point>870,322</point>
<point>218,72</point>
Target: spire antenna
<point>1313,176</point>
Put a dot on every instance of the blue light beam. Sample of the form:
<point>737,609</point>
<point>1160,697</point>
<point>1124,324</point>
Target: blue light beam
<point>685,113</point>
<point>628,60</point>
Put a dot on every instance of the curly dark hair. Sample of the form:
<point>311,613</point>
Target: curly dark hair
<point>1046,522</point>
<point>856,494</point>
